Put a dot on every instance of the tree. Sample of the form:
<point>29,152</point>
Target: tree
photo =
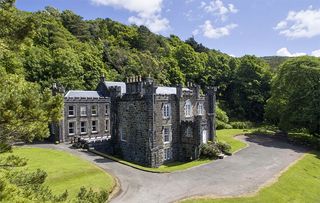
<point>24,112</point>
<point>250,89</point>
<point>294,102</point>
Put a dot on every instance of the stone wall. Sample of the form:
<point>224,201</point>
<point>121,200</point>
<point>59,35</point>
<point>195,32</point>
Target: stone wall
<point>101,117</point>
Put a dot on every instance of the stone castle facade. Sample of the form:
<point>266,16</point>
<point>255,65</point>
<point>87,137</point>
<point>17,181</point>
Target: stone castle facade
<point>140,121</point>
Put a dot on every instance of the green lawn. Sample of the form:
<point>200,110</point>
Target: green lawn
<point>66,171</point>
<point>301,183</point>
<point>222,135</point>
<point>227,135</point>
<point>166,168</point>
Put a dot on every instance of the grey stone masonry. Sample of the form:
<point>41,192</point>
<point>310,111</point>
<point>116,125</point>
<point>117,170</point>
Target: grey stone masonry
<point>145,123</point>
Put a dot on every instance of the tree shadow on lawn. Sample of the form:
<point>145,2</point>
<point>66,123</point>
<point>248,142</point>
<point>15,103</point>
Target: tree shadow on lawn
<point>276,142</point>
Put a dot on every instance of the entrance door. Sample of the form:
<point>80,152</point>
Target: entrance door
<point>204,137</point>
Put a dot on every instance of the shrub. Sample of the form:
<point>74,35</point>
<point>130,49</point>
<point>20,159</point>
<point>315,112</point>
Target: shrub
<point>209,150</point>
<point>305,139</point>
<point>224,147</point>
<point>241,124</point>
<point>221,125</point>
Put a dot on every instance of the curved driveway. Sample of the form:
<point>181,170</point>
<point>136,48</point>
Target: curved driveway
<point>236,175</point>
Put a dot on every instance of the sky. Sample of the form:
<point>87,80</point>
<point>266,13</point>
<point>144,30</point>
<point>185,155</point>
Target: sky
<point>235,27</point>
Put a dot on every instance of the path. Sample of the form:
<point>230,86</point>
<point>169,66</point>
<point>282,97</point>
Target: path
<point>239,174</point>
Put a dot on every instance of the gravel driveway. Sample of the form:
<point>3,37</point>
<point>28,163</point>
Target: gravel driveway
<point>239,174</point>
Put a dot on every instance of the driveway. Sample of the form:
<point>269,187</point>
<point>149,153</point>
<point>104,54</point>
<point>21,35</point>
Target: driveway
<point>239,174</point>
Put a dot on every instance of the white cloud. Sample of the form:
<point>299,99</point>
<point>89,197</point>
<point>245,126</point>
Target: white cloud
<point>316,53</point>
<point>218,8</point>
<point>195,32</point>
<point>210,31</point>
<point>301,24</point>
<point>285,52</point>
<point>148,12</point>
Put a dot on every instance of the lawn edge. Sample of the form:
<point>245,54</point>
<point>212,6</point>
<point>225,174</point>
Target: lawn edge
<point>268,183</point>
<point>114,190</point>
<point>142,168</point>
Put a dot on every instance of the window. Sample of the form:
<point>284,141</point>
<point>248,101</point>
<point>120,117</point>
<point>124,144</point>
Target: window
<point>166,111</point>
<point>188,109</point>
<point>94,110</point>
<point>94,126</point>
<point>167,154</point>
<point>83,111</point>
<point>71,111</point>
<point>83,127</point>
<point>189,132</point>
<point>123,135</point>
<point>71,128</point>
<point>107,109</point>
<point>166,134</point>
<point>200,109</point>
<point>107,125</point>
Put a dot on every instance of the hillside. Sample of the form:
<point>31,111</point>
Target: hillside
<point>59,46</point>
<point>275,61</point>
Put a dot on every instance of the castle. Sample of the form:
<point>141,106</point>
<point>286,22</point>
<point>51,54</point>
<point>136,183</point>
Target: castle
<point>140,121</point>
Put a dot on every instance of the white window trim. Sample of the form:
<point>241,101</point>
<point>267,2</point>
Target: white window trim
<point>81,111</point>
<point>86,127</point>
<point>188,112</point>
<point>200,111</point>
<point>92,114</point>
<point>74,128</point>
<point>74,111</point>
<point>163,135</point>
<point>107,127</point>
<point>121,135</point>
<point>97,124</point>
<point>167,154</point>
<point>166,109</point>
<point>189,130</point>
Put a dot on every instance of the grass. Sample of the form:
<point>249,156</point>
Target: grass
<point>166,168</point>
<point>65,171</point>
<point>227,135</point>
<point>301,183</point>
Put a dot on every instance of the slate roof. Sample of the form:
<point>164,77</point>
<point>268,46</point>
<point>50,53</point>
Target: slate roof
<point>113,84</point>
<point>169,90</point>
<point>82,93</point>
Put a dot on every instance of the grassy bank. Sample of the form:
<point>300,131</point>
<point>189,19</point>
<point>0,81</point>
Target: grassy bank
<point>65,171</point>
<point>301,183</point>
<point>227,135</point>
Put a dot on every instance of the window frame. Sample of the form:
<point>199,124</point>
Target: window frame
<point>200,109</point>
<point>73,110</point>
<point>107,125</point>
<point>107,109</point>
<point>189,132</point>
<point>81,108</point>
<point>85,127</point>
<point>74,127</point>
<point>123,134</point>
<point>94,107</point>
<point>188,109</point>
<point>166,111</point>
<point>167,154</point>
<point>96,126</point>
<point>168,135</point>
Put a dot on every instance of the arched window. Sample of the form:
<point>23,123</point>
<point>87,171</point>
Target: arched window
<point>200,109</point>
<point>189,132</point>
<point>188,108</point>
<point>166,111</point>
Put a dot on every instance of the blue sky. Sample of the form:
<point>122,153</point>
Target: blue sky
<point>236,27</point>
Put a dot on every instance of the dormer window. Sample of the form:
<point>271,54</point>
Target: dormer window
<point>188,108</point>
<point>166,110</point>
<point>200,109</point>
